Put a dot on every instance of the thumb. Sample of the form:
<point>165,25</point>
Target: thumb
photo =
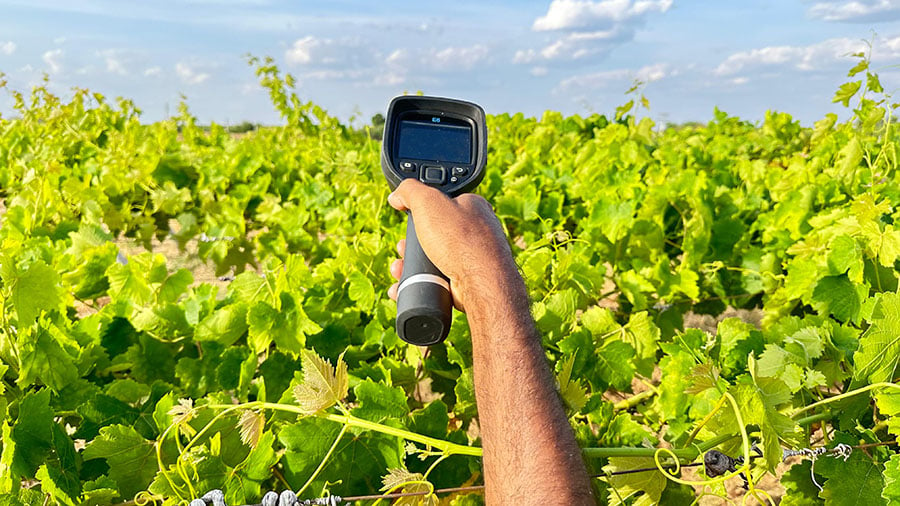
<point>416,197</point>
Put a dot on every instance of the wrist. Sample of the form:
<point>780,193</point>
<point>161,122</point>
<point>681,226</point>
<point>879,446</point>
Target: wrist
<point>495,292</point>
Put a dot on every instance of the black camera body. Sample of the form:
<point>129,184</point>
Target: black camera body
<point>441,142</point>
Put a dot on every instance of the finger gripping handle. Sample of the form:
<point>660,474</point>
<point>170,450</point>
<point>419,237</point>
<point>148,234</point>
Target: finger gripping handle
<point>423,301</point>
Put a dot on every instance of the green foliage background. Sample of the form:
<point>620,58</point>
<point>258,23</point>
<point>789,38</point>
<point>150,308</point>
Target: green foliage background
<point>621,228</point>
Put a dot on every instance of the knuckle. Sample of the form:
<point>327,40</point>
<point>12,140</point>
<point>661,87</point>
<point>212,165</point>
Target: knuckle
<point>474,201</point>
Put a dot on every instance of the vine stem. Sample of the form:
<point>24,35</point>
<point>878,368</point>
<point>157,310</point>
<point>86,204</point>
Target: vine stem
<point>324,460</point>
<point>352,421</point>
<point>634,400</point>
<point>450,448</point>
<point>844,396</point>
<point>689,453</point>
<point>809,420</point>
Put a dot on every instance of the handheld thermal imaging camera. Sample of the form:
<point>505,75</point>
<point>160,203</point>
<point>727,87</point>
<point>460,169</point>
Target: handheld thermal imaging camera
<point>441,142</point>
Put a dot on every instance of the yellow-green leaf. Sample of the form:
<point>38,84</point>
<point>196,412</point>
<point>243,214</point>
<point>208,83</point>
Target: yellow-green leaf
<point>323,384</point>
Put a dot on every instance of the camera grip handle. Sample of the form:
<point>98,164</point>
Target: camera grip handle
<point>424,304</point>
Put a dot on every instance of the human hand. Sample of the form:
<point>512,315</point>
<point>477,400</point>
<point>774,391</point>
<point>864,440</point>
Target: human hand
<point>461,236</point>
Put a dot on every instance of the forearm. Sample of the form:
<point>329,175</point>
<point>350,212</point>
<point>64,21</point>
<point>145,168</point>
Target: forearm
<point>530,454</point>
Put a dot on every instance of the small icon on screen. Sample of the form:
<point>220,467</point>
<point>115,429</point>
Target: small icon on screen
<point>435,119</point>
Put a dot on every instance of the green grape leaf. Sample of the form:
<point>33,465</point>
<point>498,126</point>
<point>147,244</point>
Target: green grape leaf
<point>24,497</point>
<point>225,325</point>
<point>673,399</point>
<point>859,67</point>
<point>844,255</point>
<point>836,295</point>
<point>99,492</point>
<point>758,403</point>
<point>61,487</point>
<point>33,291</point>
<point>129,282</point>
<point>131,458</point>
<point>102,410</point>
<point>857,481</point>
<point>432,420</point>
<point>599,321</point>
<point>646,487</point>
<point>879,347</point>
<point>358,459</point>
<point>891,490</point>
<point>401,480</point>
<point>888,402</point>
<point>361,290</point>
<point>245,482</point>
<point>378,402</point>
<point>643,335</point>
<point>614,364</point>
<point>32,433</point>
<point>799,489</point>
<point>323,384</point>
<point>204,467</point>
<point>846,92</point>
<point>44,359</point>
<point>571,391</point>
<point>736,340</point>
<point>287,327</point>
<point>175,286</point>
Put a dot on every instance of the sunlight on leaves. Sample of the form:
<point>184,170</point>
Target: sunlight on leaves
<point>323,384</point>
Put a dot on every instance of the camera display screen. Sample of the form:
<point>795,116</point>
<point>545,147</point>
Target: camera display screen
<point>444,142</point>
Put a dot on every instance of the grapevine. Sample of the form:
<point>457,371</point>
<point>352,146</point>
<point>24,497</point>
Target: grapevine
<point>184,310</point>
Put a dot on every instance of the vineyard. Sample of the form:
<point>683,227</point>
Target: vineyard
<point>719,303</point>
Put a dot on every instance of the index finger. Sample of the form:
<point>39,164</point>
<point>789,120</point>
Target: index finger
<point>411,195</point>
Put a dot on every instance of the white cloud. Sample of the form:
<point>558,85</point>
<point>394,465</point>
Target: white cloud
<point>114,62</point>
<point>8,47</point>
<point>617,77</point>
<point>856,11</point>
<point>52,59</point>
<point>457,58</point>
<point>438,60</point>
<point>389,79</point>
<point>189,75</point>
<point>342,53</point>
<point>302,50</point>
<point>538,71</point>
<point>574,46</point>
<point>397,57</point>
<point>152,71</point>
<point>807,58</point>
<point>588,15</point>
<point>353,59</point>
<point>591,28</point>
<point>326,74</point>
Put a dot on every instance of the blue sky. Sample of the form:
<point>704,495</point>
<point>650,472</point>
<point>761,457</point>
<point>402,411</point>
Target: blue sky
<point>575,56</point>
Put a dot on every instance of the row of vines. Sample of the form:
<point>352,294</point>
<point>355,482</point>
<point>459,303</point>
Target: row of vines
<point>125,378</point>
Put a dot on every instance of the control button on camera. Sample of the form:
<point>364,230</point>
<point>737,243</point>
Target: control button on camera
<point>460,171</point>
<point>432,174</point>
<point>408,166</point>
<point>454,179</point>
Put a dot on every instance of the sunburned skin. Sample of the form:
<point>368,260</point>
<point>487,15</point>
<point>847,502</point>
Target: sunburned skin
<point>530,453</point>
